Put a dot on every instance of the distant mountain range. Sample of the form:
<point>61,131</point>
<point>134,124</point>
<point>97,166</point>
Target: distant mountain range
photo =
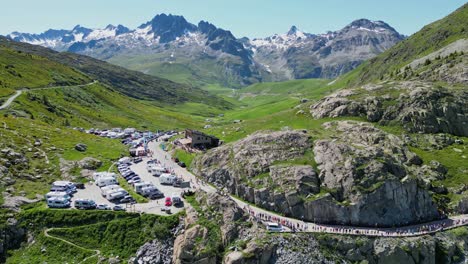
<point>171,47</point>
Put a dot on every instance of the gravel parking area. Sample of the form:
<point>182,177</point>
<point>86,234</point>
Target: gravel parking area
<point>93,192</point>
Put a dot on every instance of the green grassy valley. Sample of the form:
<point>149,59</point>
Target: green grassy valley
<point>384,146</point>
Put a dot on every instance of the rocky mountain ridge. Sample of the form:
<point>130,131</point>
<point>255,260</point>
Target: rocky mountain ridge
<point>365,177</point>
<point>171,40</point>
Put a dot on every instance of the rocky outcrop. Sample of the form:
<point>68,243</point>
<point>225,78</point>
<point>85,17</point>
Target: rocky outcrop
<point>446,247</point>
<point>418,106</point>
<point>200,243</point>
<point>154,252</point>
<point>11,236</point>
<point>367,177</point>
<point>86,165</point>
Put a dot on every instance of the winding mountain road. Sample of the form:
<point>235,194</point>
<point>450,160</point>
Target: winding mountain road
<point>296,225</point>
<point>12,98</point>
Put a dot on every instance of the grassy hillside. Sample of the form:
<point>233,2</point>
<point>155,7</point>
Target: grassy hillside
<point>131,83</point>
<point>113,233</point>
<point>96,106</point>
<point>429,39</point>
<point>22,70</point>
<point>42,167</point>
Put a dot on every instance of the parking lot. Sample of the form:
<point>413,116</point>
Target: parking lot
<point>93,192</point>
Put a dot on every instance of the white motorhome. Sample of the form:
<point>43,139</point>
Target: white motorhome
<point>117,195</point>
<point>157,171</point>
<point>109,192</point>
<point>148,190</point>
<point>105,181</point>
<point>98,175</point>
<point>167,179</point>
<point>58,194</point>
<point>107,188</point>
<point>58,202</point>
<point>65,185</point>
<point>140,185</point>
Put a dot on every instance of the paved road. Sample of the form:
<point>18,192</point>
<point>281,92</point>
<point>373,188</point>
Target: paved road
<point>296,225</point>
<point>11,99</point>
<point>19,92</point>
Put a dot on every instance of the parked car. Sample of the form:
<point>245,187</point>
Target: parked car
<point>134,180</point>
<point>168,201</point>
<point>274,227</point>
<point>182,164</point>
<point>127,199</point>
<point>118,208</point>
<point>80,185</point>
<point>137,160</point>
<point>156,195</point>
<point>103,207</point>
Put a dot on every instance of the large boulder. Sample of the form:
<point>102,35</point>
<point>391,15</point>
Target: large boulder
<point>81,147</point>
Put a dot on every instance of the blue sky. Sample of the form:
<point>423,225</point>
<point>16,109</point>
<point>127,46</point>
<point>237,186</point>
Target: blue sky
<point>251,18</point>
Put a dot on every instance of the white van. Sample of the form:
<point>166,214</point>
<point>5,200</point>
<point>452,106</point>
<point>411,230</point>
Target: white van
<point>274,227</point>
<point>105,181</point>
<point>58,194</point>
<point>157,171</point>
<point>104,174</point>
<point>85,204</point>
<point>110,192</point>
<point>58,202</point>
<point>167,179</point>
<point>117,195</point>
<point>148,190</point>
<point>107,188</point>
<point>65,185</point>
<point>140,185</point>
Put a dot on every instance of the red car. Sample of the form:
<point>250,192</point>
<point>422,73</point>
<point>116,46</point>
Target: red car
<point>168,201</point>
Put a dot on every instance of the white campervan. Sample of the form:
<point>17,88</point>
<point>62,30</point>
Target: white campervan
<point>58,194</point>
<point>157,171</point>
<point>64,185</point>
<point>105,181</point>
<point>117,195</point>
<point>140,185</point>
<point>110,192</point>
<point>58,202</point>
<point>167,179</point>
<point>107,188</point>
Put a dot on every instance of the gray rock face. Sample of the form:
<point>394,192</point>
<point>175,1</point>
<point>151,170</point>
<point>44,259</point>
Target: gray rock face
<point>419,107</point>
<point>372,173</point>
<point>247,169</point>
<point>154,252</point>
<point>11,237</point>
<point>367,177</point>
